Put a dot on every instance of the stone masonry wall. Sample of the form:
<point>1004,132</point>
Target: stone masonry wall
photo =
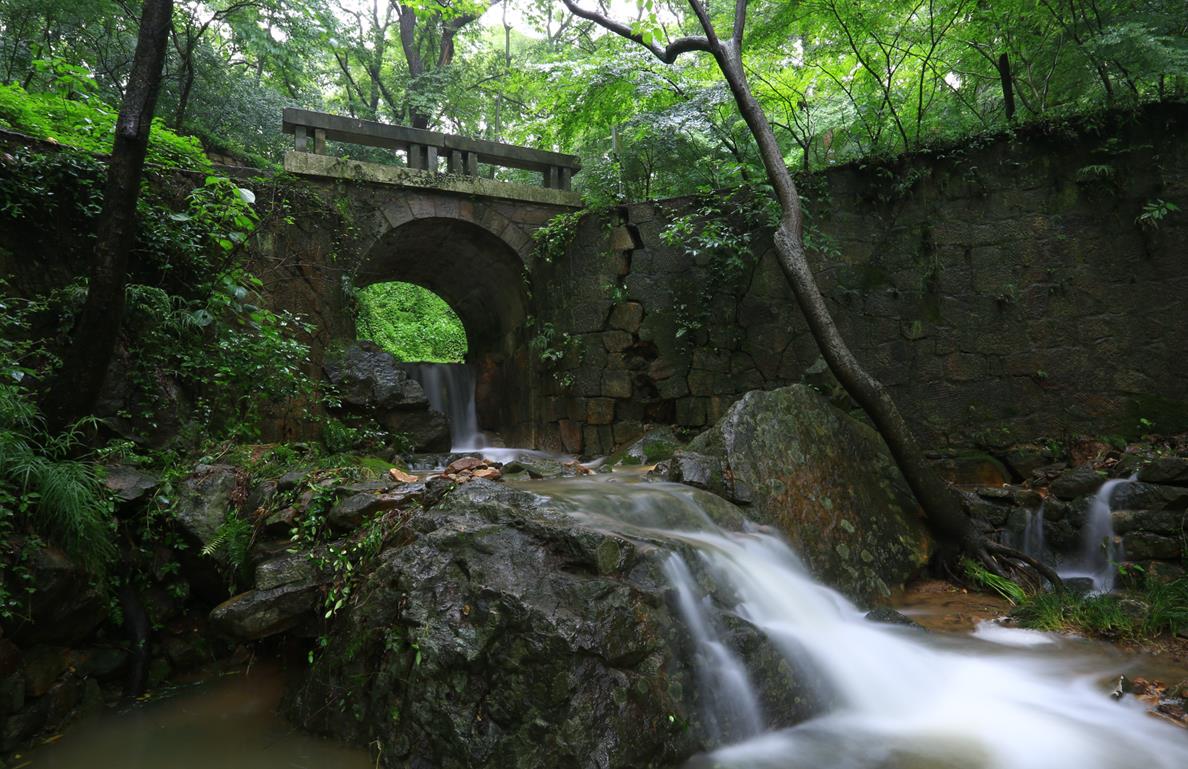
<point>1004,290</point>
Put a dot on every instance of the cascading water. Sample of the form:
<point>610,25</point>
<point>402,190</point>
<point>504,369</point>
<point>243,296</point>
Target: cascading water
<point>450,390</point>
<point>732,709</point>
<point>1034,543</point>
<point>1100,553</point>
<point>901,699</point>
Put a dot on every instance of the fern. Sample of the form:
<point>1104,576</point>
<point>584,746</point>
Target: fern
<point>233,537</point>
<point>63,500</point>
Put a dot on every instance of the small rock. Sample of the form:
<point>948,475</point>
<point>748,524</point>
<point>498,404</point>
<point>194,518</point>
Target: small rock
<point>291,480</point>
<point>261,613</point>
<point>203,501</point>
<point>1142,545</point>
<point>368,377</point>
<point>693,469</point>
<point>351,512</point>
<point>489,473</point>
<point>888,616</point>
<point>1073,483</point>
<point>130,484</point>
<point>1078,586</point>
<point>99,662</point>
<point>465,463</point>
<point>400,476</point>
<point>12,694</point>
<point>286,570</point>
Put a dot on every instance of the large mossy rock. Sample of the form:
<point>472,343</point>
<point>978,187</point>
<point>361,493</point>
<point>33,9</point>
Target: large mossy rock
<point>505,634</point>
<point>822,478</point>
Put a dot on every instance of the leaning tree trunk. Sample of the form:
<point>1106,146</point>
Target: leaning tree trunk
<point>942,506</point>
<point>76,387</point>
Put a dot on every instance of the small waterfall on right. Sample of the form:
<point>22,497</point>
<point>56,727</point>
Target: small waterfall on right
<point>898,698</point>
<point>1100,554</point>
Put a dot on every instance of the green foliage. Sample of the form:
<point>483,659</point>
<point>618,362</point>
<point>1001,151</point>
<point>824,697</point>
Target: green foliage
<point>89,125</point>
<point>234,539</point>
<point>716,232</point>
<point>988,580</point>
<point>1158,608</point>
<point>411,322</point>
<point>1154,212</point>
<point>553,348</point>
<point>45,491</point>
<point>555,236</point>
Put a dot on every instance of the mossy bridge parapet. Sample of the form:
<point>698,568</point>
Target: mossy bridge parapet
<point>433,160</point>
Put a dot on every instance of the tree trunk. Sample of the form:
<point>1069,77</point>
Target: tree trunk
<point>76,387</point>
<point>1008,89</point>
<point>945,514</point>
<point>942,506</point>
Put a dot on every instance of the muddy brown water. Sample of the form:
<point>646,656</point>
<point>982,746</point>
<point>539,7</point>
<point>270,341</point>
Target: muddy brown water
<point>229,723</point>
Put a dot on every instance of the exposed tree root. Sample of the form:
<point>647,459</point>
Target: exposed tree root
<point>1009,563</point>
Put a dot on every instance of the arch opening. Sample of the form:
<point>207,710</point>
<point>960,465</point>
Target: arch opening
<point>411,322</point>
<point>479,276</point>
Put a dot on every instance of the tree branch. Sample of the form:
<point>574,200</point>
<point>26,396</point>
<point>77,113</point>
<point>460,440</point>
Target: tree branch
<point>668,54</point>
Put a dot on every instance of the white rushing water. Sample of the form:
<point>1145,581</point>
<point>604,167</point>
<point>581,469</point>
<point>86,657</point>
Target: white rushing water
<point>1100,552</point>
<point>450,390</point>
<point>903,699</point>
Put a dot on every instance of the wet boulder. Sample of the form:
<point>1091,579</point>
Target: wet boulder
<point>367,377</point>
<point>261,613</point>
<point>507,635</point>
<point>429,430</point>
<point>653,447</point>
<point>1138,495</point>
<point>1172,471</point>
<point>203,500</point>
<point>1076,482</point>
<point>129,484</point>
<point>824,479</point>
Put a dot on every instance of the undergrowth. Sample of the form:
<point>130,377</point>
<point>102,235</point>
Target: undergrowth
<point>1158,608</point>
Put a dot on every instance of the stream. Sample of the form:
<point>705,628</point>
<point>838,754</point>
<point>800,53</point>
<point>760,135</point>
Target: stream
<point>898,698</point>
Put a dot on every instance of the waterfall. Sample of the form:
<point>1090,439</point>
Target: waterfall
<point>899,697</point>
<point>1034,543</point>
<point>450,390</point>
<point>732,709</point>
<point>1100,553</point>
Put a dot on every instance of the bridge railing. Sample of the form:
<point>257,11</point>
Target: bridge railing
<point>424,148</point>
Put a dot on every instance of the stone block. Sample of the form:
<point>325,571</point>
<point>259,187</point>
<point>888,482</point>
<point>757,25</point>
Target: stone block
<point>673,387</point>
<point>616,384</point>
<point>1143,545</point>
<point>701,382</point>
<point>627,316</point>
<point>1166,522</point>
<point>709,359</point>
<point>621,239</point>
<point>571,435</point>
<point>690,412</point>
<point>600,411</point>
<point>616,341</point>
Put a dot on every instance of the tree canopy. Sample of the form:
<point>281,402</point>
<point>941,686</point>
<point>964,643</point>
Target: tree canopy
<point>839,79</point>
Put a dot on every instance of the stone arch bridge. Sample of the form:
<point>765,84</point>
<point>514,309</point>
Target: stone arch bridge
<point>404,204</point>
